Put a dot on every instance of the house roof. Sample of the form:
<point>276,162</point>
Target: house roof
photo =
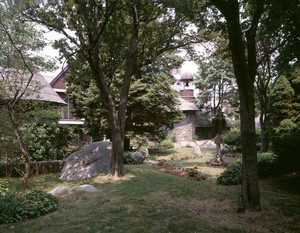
<point>228,123</point>
<point>186,76</point>
<point>186,105</point>
<point>59,75</point>
<point>38,89</point>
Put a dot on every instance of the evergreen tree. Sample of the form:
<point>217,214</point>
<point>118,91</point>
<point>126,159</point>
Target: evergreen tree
<point>282,96</point>
<point>284,115</point>
<point>151,100</point>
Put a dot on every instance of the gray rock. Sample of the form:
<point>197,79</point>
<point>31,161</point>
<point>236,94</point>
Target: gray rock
<point>59,190</point>
<point>197,150</point>
<point>85,188</point>
<point>138,157</point>
<point>210,145</point>
<point>87,162</point>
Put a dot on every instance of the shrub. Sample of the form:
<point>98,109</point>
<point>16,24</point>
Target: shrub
<point>232,175</point>
<point>17,207</point>
<point>45,140</point>
<point>127,159</point>
<point>267,167</point>
<point>140,143</point>
<point>285,144</point>
<point>233,139</point>
<point>172,136</point>
<point>166,144</point>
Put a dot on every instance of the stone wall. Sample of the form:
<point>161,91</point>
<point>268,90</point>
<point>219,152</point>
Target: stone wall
<point>186,128</point>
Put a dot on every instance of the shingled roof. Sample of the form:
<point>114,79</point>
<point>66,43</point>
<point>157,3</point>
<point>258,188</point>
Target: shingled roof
<point>38,82</point>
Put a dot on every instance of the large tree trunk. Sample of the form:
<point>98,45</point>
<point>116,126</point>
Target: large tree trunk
<point>244,73</point>
<point>116,118</point>
<point>23,149</point>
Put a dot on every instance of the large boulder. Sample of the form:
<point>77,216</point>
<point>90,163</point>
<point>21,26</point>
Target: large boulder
<point>87,162</point>
<point>138,156</point>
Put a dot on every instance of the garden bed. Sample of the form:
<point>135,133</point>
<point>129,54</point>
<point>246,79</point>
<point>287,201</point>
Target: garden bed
<point>188,173</point>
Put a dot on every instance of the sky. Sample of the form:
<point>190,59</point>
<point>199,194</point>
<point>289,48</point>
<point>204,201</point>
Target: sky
<point>189,66</point>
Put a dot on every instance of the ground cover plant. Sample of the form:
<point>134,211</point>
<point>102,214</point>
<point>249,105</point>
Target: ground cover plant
<point>16,206</point>
<point>148,200</point>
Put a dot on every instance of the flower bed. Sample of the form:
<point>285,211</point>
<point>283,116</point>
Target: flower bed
<point>188,173</point>
<point>215,163</point>
<point>233,154</point>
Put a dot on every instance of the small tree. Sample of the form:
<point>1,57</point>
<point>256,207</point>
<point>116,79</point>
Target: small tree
<point>18,64</point>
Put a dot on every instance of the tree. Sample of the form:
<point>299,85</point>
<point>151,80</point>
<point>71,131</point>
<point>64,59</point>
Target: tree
<point>19,43</point>
<point>111,36</point>
<point>244,63</point>
<point>284,112</point>
<point>217,85</point>
<point>150,91</point>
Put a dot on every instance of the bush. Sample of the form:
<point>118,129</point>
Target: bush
<point>140,143</point>
<point>166,144</point>
<point>232,175</point>
<point>45,140</point>
<point>127,159</point>
<point>285,144</point>
<point>233,139</point>
<point>267,167</point>
<point>17,207</point>
<point>172,136</point>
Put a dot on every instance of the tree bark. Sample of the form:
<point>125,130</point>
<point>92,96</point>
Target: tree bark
<point>23,148</point>
<point>245,80</point>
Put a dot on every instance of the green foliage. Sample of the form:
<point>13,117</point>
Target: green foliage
<point>281,98</point>
<point>46,140</point>
<point>172,136</point>
<point>18,206</point>
<point>268,166</point>
<point>127,159</point>
<point>285,129</point>
<point>233,139</point>
<point>166,144</point>
<point>285,143</point>
<point>218,83</point>
<point>232,174</point>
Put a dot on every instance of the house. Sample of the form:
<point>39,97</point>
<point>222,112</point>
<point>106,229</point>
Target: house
<point>59,86</point>
<point>196,124</point>
<point>67,117</point>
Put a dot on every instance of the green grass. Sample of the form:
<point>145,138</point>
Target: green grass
<point>148,200</point>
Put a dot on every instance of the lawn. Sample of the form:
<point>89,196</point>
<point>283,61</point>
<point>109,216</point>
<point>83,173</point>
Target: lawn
<point>148,200</point>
